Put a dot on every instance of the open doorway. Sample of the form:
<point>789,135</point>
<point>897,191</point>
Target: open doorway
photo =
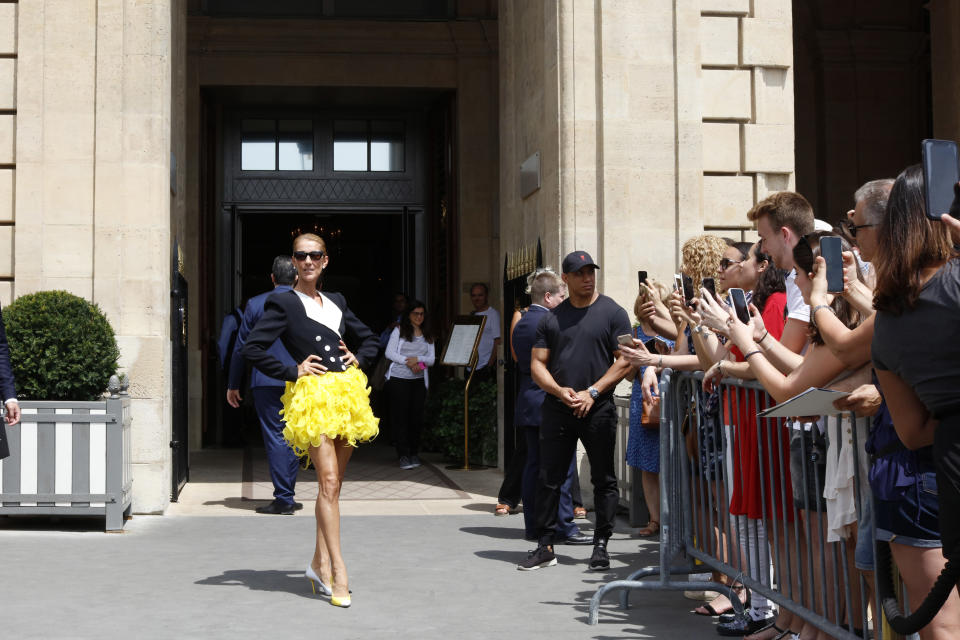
<point>373,256</point>
<point>368,259</point>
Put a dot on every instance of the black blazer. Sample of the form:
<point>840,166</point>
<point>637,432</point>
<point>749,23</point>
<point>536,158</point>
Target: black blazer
<point>285,319</point>
<point>7,390</point>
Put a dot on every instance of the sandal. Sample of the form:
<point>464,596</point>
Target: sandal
<point>652,529</point>
<point>579,513</point>
<point>502,509</point>
<point>709,610</point>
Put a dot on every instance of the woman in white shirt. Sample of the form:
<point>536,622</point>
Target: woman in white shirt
<point>410,352</point>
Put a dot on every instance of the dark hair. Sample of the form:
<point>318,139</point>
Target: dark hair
<point>771,281</point>
<point>486,289</point>
<point>908,241</point>
<point>284,272</point>
<point>786,209</point>
<point>844,311</point>
<point>742,247</point>
<point>406,327</point>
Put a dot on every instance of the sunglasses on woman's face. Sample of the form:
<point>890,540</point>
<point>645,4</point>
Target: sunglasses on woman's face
<point>726,263</point>
<point>852,228</point>
<point>300,256</point>
<point>803,255</point>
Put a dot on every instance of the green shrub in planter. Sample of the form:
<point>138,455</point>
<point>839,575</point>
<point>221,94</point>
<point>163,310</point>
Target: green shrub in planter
<point>61,346</point>
<point>443,418</point>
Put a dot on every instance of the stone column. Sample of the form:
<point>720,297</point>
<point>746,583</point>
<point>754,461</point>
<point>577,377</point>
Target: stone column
<point>93,189</point>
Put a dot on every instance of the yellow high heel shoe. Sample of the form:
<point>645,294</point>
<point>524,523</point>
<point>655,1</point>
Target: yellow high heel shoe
<point>338,601</point>
<point>316,583</point>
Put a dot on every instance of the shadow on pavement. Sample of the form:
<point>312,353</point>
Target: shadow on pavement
<point>501,533</point>
<point>483,506</point>
<point>244,504</point>
<point>270,580</point>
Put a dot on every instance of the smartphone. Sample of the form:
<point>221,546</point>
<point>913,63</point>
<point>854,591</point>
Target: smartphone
<point>678,282</point>
<point>626,340</point>
<point>710,285</point>
<point>739,300</point>
<point>688,293</point>
<point>641,279</point>
<point>941,171</point>
<point>830,249</point>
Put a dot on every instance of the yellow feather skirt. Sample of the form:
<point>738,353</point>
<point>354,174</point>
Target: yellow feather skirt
<point>334,405</point>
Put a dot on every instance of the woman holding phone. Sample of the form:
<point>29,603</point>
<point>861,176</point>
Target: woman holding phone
<point>916,351</point>
<point>326,405</point>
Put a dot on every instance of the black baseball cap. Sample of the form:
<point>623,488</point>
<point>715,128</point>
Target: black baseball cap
<point>576,260</point>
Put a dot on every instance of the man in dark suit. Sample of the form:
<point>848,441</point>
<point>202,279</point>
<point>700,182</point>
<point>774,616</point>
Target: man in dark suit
<point>7,390</point>
<point>546,292</point>
<point>266,395</point>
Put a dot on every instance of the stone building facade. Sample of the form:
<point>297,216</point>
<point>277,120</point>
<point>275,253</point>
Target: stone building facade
<point>654,120</point>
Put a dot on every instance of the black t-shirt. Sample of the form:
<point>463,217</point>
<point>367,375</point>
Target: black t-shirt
<point>581,342</point>
<point>922,346</point>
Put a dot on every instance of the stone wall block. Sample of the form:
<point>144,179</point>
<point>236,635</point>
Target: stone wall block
<point>767,43</point>
<point>768,183</point>
<point>8,83</point>
<point>151,481</point>
<point>68,251</point>
<point>726,94</point>
<point>67,196</point>
<point>726,200</point>
<point>719,40</point>
<point>727,7</point>
<point>6,293</point>
<point>781,10</point>
<point>8,138</point>
<point>7,177</point>
<point>721,146</point>
<point>768,148</point>
<point>773,95</point>
<point>6,251</point>
<point>8,28</point>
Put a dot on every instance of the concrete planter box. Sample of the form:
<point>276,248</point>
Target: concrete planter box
<point>69,459</point>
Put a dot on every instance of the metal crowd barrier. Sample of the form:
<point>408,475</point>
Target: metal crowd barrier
<point>702,463</point>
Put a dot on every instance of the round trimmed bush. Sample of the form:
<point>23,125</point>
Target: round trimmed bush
<point>61,346</point>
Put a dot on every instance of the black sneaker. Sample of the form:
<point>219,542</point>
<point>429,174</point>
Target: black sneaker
<point>600,560</point>
<point>540,557</point>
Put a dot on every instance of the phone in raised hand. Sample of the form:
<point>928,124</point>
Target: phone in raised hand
<point>739,300</point>
<point>831,249</point>
<point>641,279</point>
<point>941,171</point>
<point>625,340</point>
<point>687,289</point>
<point>710,285</point>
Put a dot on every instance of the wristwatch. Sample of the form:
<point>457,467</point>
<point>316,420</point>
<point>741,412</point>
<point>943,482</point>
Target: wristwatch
<point>593,392</point>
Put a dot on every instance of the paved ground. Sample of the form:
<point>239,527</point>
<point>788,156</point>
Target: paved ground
<point>216,571</point>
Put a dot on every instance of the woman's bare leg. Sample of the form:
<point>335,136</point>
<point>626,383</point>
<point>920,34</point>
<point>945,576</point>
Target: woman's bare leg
<point>919,569</point>
<point>651,493</point>
<point>330,461</point>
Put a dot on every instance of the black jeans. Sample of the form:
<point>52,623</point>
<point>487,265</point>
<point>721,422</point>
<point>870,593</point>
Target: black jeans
<point>559,432</point>
<point>406,413</point>
<point>512,486</point>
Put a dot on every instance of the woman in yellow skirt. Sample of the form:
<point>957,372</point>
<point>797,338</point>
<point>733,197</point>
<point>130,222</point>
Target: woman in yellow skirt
<point>326,407</point>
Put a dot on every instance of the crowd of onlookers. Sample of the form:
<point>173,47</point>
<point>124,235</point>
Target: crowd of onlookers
<point>889,339</point>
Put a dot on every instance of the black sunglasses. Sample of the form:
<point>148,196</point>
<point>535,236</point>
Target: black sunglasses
<point>726,263</point>
<point>803,255</point>
<point>300,256</point>
<point>852,228</point>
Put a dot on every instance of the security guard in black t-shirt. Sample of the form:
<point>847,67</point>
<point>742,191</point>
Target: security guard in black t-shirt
<point>575,361</point>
